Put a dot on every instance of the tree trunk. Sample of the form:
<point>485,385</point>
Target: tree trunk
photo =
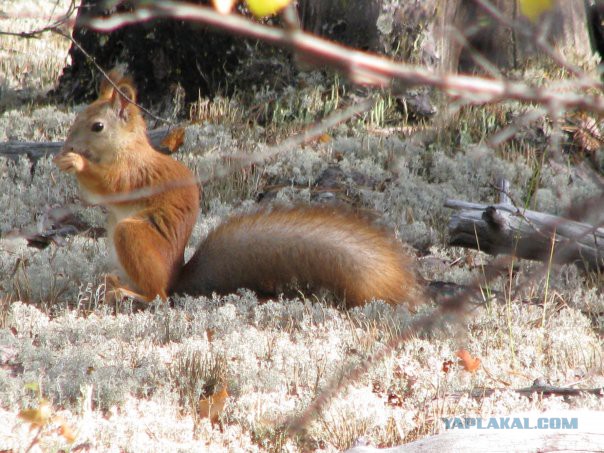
<point>501,44</point>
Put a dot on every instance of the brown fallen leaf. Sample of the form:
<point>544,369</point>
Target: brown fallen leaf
<point>64,429</point>
<point>210,335</point>
<point>324,138</point>
<point>447,364</point>
<point>38,416</point>
<point>469,363</point>
<point>213,406</point>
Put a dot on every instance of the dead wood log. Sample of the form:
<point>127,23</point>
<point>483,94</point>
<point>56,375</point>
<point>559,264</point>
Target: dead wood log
<point>504,229</point>
<point>36,150</point>
<point>536,390</point>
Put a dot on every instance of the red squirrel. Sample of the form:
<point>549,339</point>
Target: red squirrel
<point>108,151</point>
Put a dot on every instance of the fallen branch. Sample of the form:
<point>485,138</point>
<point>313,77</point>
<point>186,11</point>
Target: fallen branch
<point>534,390</point>
<point>504,229</point>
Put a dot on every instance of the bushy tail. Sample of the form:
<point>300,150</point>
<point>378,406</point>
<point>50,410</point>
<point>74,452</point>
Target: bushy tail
<point>313,246</point>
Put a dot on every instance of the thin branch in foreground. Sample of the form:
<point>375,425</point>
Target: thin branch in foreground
<point>372,69</point>
<point>106,76</point>
<point>56,25</point>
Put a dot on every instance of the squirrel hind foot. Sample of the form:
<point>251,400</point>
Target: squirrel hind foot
<point>115,292</point>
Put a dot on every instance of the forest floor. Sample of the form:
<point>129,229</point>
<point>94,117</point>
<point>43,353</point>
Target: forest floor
<point>96,377</point>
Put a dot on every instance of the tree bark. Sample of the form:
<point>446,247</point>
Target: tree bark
<point>501,44</point>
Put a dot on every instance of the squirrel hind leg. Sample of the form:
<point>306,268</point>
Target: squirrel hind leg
<point>145,256</point>
<point>116,291</point>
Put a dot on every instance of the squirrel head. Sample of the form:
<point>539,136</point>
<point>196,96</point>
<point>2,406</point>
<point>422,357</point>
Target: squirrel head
<point>109,128</point>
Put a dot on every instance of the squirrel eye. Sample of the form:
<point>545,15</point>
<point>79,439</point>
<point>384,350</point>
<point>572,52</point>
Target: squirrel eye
<point>97,127</point>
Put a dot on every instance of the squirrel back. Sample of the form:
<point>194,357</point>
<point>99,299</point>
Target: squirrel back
<point>108,152</point>
<point>320,247</point>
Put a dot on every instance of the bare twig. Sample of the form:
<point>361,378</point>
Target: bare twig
<point>106,76</point>
<point>56,25</point>
<point>370,69</point>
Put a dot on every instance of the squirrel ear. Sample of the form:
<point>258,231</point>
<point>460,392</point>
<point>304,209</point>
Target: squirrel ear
<point>122,100</point>
<point>116,75</point>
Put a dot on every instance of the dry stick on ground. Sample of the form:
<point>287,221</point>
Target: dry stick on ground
<point>503,228</point>
<point>361,67</point>
<point>529,392</point>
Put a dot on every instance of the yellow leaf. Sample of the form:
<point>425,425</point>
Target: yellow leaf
<point>39,416</point>
<point>533,9</point>
<point>262,8</point>
<point>33,386</point>
<point>213,406</point>
<point>223,6</point>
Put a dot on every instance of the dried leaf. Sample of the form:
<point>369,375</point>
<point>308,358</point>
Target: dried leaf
<point>324,138</point>
<point>174,139</point>
<point>210,334</point>
<point>39,416</point>
<point>469,363</point>
<point>66,431</point>
<point>447,364</point>
<point>213,406</point>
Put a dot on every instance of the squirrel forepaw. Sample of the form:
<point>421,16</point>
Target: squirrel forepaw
<point>70,162</point>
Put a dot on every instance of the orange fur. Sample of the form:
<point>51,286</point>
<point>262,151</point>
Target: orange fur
<point>148,232</point>
<point>317,246</point>
<point>264,251</point>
